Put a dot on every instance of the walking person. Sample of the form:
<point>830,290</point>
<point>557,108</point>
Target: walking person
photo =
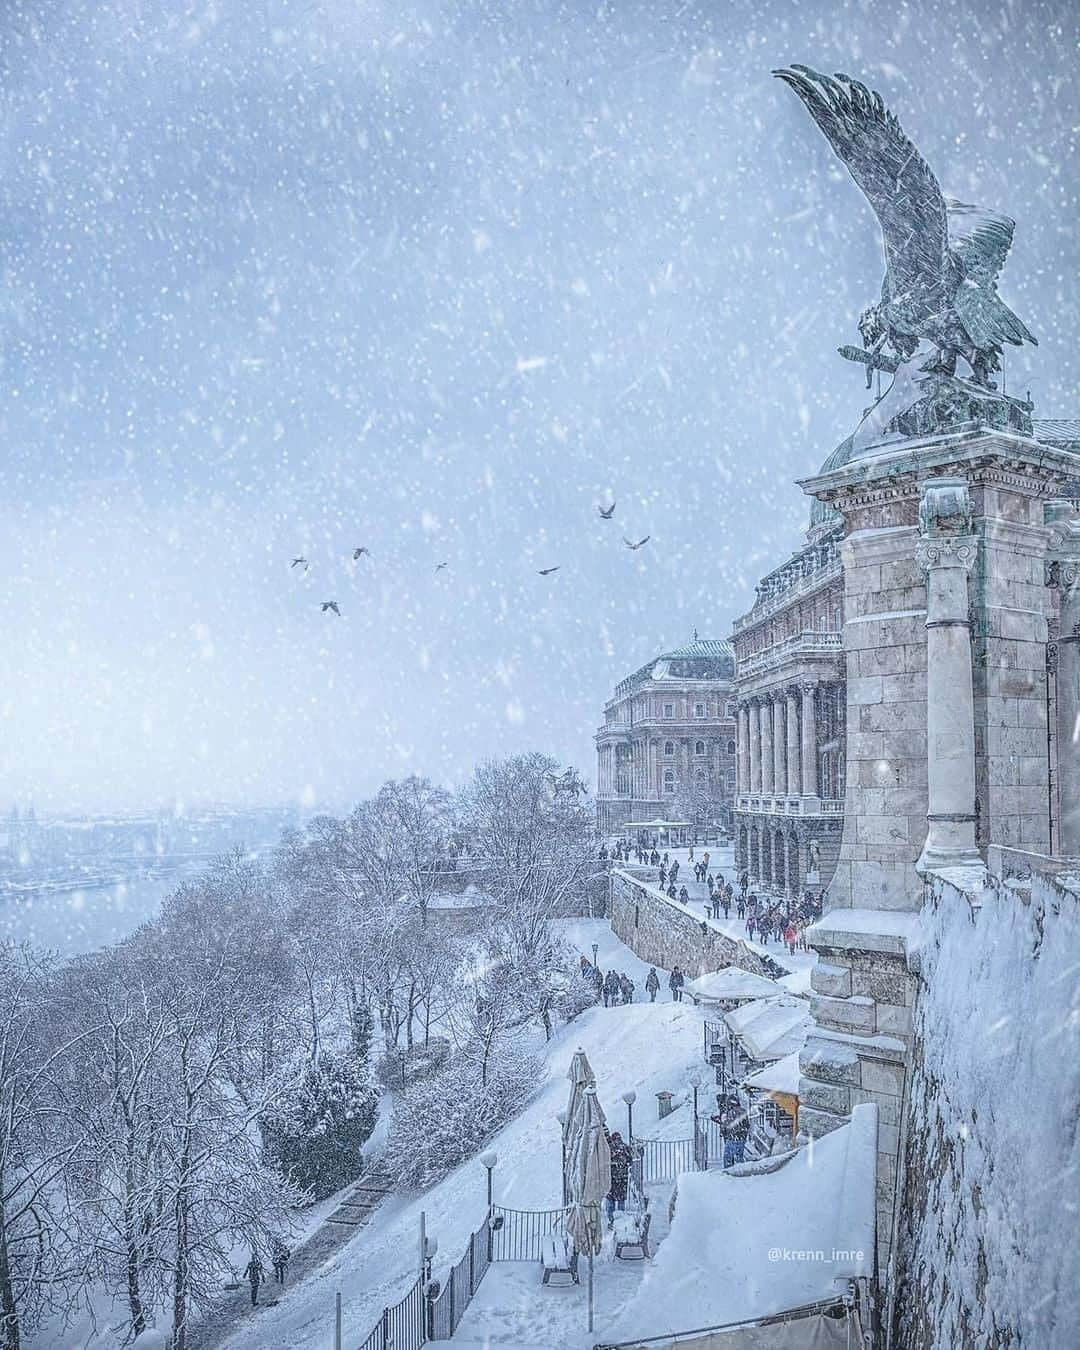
<point>735,1130</point>
<point>684,895</point>
<point>279,1259</point>
<point>611,989</point>
<point>716,905</point>
<point>626,988</point>
<point>621,1160</point>
<point>255,1275</point>
<point>676,980</point>
<point>663,875</point>
<point>652,984</point>
<point>790,937</point>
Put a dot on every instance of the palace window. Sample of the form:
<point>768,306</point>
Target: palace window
<point>699,709</point>
<point>669,747</point>
<point>731,747</point>
<point>729,708</point>
<point>669,710</point>
<point>699,747</point>
<point>669,782</point>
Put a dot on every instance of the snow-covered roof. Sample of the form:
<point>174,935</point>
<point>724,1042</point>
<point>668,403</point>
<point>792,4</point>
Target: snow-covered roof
<point>717,1266</point>
<point>702,659</point>
<point>731,982</point>
<point>798,982</point>
<point>770,1028</point>
<point>780,1076</point>
<point>1060,431</point>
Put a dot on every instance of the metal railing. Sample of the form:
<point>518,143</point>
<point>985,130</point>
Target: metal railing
<point>402,1327</point>
<point>446,1310</point>
<point>662,1160</point>
<point>518,1234</point>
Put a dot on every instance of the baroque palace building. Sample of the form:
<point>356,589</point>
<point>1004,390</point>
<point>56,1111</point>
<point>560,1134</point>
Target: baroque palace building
<point>791,718</point>
<point>668,737</point>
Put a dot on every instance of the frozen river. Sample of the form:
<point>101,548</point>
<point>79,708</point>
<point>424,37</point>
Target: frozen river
<point>79,920</point>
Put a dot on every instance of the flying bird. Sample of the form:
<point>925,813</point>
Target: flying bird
<point>639,543</point>
<point>439,566</point>
<point>607,511</point>
<point>299,562</point>
<point>942,257</point>
<point>547,571</point>
<point>331,604</point>
<point>358,553</point>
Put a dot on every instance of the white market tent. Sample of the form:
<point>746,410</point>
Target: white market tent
<point>731,985</point>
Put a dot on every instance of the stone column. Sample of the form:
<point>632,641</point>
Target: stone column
<point>809,741</point>
<point>754,720</point>
<point>779,746</point>
<point>794,785</point>
<point>743,746</point>
<point>950,702</point>
<point>768,777</point>
<point>1068,711</point>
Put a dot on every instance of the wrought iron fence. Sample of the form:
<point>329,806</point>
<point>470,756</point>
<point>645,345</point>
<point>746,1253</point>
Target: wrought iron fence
<point>663,1159</point>
<point>402,1327</point>
<point>518,1234</point>
<point>448,1308</point>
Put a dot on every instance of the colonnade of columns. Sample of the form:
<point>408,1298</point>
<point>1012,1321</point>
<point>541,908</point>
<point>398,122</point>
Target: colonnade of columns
<point>777,743</point>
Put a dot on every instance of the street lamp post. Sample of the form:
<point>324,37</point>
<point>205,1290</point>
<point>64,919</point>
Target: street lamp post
<point>489,1160</point>
<point>560,1116</point>
<point>595,949</point>
<point>629,1098</point>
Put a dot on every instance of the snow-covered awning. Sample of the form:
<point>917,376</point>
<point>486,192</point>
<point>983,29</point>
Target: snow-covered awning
<point>780,1076</point>
<point>770,1028</point>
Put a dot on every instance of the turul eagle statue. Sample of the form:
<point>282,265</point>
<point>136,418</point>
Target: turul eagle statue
<point>942,257</point>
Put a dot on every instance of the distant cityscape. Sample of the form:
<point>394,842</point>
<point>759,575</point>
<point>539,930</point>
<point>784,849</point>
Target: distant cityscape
<point>55,853</point>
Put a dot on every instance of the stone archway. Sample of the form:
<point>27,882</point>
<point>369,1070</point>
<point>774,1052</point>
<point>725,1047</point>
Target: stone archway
<point>766,851</point>
<point>780,862</point>
<point>794,879</point>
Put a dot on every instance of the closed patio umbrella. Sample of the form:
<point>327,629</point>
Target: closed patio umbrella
<point>581,1076</point>
<point>589,1181</point>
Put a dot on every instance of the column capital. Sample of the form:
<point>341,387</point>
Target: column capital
<point>947,551</point>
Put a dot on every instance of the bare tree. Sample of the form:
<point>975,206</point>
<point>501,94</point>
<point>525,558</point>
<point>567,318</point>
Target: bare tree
<point>39,1272</point>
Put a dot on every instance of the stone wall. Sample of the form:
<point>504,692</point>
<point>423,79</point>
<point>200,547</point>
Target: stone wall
<point>986,1239</point>
<point>863,994</point>
<point>665,934</point>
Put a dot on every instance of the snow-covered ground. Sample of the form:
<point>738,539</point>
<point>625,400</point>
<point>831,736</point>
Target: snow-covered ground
<point>643,1046</point>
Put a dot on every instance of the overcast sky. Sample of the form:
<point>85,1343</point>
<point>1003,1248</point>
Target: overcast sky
<point>289,277</point>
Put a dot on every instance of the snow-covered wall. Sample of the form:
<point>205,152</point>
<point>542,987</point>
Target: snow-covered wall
<point>988,1254</point>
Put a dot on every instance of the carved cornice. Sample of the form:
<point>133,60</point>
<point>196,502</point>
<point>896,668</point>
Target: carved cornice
<point>947,551</point>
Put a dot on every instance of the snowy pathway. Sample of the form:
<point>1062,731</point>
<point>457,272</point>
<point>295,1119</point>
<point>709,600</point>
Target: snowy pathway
<point>352,1212</point>
<point>722,865</point>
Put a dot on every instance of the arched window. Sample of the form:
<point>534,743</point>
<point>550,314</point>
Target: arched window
<point>669,782</point>
<point>669,747</point>
<point>699,747</point>
<point>731,747</point>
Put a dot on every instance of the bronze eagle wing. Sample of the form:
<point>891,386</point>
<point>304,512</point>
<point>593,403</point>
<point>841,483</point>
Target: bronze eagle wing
<point>895,179</point>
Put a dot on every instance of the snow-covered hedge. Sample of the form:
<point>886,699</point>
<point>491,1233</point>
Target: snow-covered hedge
<point>439,1123</point>
<point>317,1131</point>
<point>988,1240</point>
